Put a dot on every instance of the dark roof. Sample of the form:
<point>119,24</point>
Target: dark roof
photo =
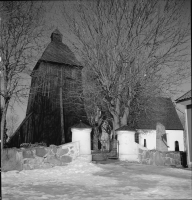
<point>81,125</point>
<point>185,97</point>
<point>56,31</point>
<point>58,52</point>
<point>160,110</point>
<point>125,128</point>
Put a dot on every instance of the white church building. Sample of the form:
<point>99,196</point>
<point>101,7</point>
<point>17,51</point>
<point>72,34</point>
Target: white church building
<point>160,111</point>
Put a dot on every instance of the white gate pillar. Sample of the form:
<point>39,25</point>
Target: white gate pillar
<point>82,133</point>
<point>128,149</point>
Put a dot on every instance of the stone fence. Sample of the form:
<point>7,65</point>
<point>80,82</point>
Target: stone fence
<point>155,157</point>
<point>39,157</point>
<point>134,152</point>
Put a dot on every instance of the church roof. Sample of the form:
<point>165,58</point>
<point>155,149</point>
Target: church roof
<point>58,52</point>
<point>125,128</point>
<point>160,110</point>
<point>184,97</point>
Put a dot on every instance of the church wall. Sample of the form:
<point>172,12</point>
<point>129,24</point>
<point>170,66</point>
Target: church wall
<point>175,135</point>
<point>172,136</point>
<point>150,137</point>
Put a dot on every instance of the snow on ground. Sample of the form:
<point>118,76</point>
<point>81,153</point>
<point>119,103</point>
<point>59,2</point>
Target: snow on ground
<point>81,180</point>
<point>76,173</point>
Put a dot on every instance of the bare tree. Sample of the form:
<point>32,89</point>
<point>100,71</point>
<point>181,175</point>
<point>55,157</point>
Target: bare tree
<point>20,33</point>
<point>130,47</point>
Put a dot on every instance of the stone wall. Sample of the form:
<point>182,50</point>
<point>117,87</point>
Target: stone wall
<point>38,157</point>
<point>155,157</point>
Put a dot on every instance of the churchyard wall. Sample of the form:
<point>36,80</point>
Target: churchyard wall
<point>155,157</point>
<point>38,157</point>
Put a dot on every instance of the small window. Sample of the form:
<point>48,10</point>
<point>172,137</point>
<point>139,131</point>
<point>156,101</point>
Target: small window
<point>176,146</point>
<point>145,143</point>
<point>137,137</point>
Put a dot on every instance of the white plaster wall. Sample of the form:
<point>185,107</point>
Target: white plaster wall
<point>188,134</point>
<point>128,149</point>
<point>84,138</point>
<point>175,135</point>
<point>172,136</point>
<point>150,136</point>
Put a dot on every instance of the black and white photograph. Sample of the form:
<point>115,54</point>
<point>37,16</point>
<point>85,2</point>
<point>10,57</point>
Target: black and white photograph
<point>95,99</point>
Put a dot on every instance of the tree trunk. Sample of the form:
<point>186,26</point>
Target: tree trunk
<point>116,116</point>
<point>116,124</point>
<point>95,142</point>
<point>95,138</point>
<point>3,121</point>
<point>125,117</point>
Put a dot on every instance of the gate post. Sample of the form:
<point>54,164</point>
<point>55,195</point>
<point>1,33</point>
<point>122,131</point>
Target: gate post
<point>82,133</point>
<point>127,147</point>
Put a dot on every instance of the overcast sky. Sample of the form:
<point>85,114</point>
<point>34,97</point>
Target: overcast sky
<point>54,20</point>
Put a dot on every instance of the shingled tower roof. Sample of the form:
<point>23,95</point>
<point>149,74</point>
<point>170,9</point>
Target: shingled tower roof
<point>58,52</point>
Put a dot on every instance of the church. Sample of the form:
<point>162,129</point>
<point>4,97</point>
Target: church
<point>55,101</point>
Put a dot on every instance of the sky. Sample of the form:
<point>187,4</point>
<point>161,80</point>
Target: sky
<point>54,20</point>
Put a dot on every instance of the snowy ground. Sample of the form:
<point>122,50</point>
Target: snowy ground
<point>114,181</point>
